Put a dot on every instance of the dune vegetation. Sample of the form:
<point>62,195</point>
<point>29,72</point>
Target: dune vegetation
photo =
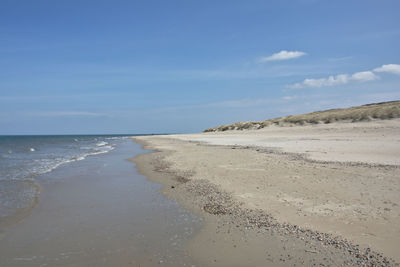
<point>375,111</point>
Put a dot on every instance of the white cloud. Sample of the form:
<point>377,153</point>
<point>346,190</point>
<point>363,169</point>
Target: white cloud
<point>330,81</point>
<point>283,55</point>
<point>364,76</point>
<point>391,68</point>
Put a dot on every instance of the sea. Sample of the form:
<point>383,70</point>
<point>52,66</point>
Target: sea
<point>24,158</point>
<point>80,201</point>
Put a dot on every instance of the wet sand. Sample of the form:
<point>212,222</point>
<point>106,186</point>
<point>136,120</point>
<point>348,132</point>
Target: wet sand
<point>290,206</point>
<point>100,212</point>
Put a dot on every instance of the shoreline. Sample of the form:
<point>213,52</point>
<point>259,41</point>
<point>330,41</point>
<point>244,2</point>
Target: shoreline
<point>100,212</point>
<point>202,176</point>
<point>22,213</point>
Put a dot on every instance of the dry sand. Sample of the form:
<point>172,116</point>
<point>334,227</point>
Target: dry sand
<point>340,179</point>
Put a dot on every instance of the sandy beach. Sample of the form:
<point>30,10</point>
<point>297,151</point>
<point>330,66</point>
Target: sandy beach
<point>325,193</point>
<point>200,133</point>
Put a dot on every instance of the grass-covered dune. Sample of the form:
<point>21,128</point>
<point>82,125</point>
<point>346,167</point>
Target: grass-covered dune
<point>375,111</point>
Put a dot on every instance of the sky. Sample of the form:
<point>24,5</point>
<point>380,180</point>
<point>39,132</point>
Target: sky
<point>99,67</point>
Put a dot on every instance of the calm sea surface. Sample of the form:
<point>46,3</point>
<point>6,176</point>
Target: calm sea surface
<point>22,158</point>
<point>79,201</point>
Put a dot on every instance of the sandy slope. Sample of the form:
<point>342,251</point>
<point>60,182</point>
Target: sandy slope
<point>376,142</point>
<point>360,202</point>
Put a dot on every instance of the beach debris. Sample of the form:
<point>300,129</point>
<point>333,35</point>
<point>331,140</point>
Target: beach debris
<point>215,209</point>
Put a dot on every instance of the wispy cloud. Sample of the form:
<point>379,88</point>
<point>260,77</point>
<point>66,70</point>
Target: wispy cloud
<point>363,76</point>
<point>64,113</point>
<point>390,68</point>
<point>237,103</point>
<point>283,55</point>
<point>335,59</point>
<point>380,97</point>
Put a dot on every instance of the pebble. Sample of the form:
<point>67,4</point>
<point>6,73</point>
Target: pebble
<point>220,203</point>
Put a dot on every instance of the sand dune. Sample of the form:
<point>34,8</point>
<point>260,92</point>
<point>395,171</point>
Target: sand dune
<point>368,112</point>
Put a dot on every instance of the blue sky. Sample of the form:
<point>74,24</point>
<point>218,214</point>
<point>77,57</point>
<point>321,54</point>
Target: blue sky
<point>183,66</point>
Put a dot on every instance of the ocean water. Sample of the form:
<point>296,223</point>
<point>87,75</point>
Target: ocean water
<point>96,211</point>
<point>24,158</point>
